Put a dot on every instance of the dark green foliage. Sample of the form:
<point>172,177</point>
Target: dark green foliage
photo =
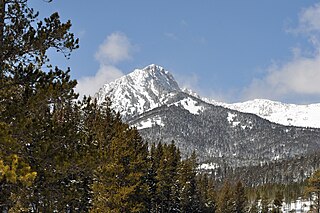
<point>189,196</point>
<point>207,193</point>
<point>313,188</point>
<point>167,187</point>
<point>240,198</point>
<point>119,183</point>
<point>25,39</point>
<point>226,202</point>
<point>36,106</point>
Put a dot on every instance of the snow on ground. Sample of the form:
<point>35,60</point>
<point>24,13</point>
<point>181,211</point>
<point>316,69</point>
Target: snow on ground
<point>285,114</point>
<point>149,123</point>
<point>191,105</point>
<point>300,206</point>
<point>207,166</point>
<point>231,119</point>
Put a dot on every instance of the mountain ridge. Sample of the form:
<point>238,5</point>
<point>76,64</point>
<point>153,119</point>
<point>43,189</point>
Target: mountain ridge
<point>150,87</point>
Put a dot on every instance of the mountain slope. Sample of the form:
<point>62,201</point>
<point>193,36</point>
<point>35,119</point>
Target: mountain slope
<point>151,100</point>
<point>277,112</point>
<point>224,136</point>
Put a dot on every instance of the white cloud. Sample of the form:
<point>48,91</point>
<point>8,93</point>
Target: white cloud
<point>299,76</point>
<point>115,48</point>
<point>188,81</point>
<point>309,19</point>
<point>89,85</point>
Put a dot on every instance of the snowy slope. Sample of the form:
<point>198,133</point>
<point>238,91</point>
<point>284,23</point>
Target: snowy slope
<point>277,112</point>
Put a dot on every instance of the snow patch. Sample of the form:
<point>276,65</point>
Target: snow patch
<point>207,166</point>
<point>191,105</point>
<point>231,116</point>
<point>149,123</point>
<point>231,119</point>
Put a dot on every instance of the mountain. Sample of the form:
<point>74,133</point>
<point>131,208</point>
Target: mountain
<point>151,87</point>
<point>281,113</point>
<point>221,134</point>
<point>139,91</point>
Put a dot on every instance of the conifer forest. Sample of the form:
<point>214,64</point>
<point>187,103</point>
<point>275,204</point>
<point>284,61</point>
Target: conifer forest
<point>61,153</point>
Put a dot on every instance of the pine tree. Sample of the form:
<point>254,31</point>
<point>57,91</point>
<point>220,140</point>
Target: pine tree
<point>15,175</point>
<point>189,195</point>
<point>167,188</point>
<point>240,198</point>
<point>37,105</point>
<point>153,166</point>
<point>120,184</point>
<point>313,188</point>
<point>226,200</point>
<point>207,193</point>
<point>25,40</point>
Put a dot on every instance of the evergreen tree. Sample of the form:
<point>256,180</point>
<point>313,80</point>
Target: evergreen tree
<point>15,175</point>
<point>120,184</point>
<point>226,200</point>
<point>167,188</point>
<point>151,179</point>
<point>240,198</point>
<point>37,105</point>
<point>25,40</point>
<point>313,188</point>
<point>189,196</point>
<point>207,193</point>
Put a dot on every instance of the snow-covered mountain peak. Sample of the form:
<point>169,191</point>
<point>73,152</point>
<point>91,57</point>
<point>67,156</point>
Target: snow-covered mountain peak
<point>140,90</point>
<point>154,77</point>
<point>154,68</point>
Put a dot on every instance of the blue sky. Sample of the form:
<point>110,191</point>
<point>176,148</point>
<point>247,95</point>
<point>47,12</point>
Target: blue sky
<point>227,50</point>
